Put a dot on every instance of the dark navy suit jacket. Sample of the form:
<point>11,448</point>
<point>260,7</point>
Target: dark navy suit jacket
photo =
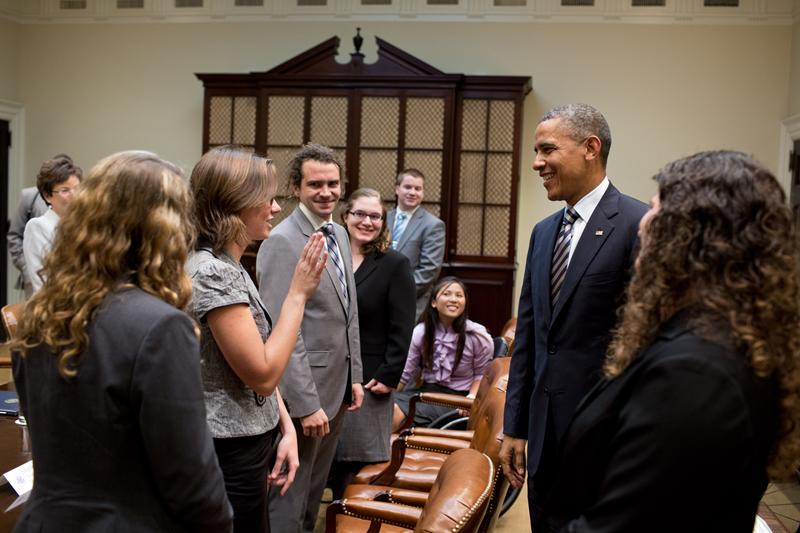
<point>558,352</point>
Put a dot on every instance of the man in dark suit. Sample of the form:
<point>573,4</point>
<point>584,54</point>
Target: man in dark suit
<point>417,234</point>
<point>577,267</point>
<point>324,373</point>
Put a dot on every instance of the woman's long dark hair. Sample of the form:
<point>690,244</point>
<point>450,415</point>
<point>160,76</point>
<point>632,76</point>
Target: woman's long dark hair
<point>431,317</point>
<point>722,245</point>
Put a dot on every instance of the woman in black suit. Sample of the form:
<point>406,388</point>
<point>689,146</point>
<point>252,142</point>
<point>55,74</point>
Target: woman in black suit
<point>386,307</point>
<point>107,364</point>
<point>702,376</point>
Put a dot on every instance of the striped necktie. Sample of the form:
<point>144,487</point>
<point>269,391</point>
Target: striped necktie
<point>558,270</point>
<point>400,223</point>
<point>336,257</point>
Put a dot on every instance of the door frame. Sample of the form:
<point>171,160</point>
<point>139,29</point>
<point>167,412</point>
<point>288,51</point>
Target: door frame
<point>14,113</point>
<point>790,132</point>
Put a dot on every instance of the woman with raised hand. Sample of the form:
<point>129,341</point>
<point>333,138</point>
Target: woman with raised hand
<point>243,354</point>
<point>106,364</point>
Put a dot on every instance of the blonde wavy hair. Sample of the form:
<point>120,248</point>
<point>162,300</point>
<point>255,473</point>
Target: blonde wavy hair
<point>722,246</point>
<point>130,225</point>
<point>227,180</point>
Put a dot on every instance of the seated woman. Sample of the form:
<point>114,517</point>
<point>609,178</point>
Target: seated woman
<point>386,307</point>
<point>449,350</point>
<point>57,181</point>
<point>106,364</point>
<point>243,355</point>
<point>702,376</point>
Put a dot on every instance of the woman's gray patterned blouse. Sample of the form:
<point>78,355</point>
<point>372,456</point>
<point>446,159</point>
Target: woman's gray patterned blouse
<point>232,408</point>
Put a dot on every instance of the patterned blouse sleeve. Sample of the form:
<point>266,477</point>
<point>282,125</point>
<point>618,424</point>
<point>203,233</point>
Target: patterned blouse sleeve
<point>214,285</point>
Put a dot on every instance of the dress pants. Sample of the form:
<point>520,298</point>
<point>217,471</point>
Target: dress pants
<point>244,464</point>
<point>297,510</point>
<point>541,482</point>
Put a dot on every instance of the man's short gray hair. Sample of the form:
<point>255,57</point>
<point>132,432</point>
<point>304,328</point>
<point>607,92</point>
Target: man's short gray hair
<point>582,121</point>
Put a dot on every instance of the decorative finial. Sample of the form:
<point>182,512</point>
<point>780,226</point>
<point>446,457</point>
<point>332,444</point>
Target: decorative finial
<point>358,40</point>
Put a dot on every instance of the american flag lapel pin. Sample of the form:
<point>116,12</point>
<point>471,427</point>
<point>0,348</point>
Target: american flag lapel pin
<point>598,232</point>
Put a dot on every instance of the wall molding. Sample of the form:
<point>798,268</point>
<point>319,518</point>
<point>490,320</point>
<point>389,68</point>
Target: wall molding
<point>14,113</point>
<point>749,12</point>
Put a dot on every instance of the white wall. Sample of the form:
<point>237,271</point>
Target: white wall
<point>8,59</point>
<point>666,90</point>
<point>794,87</point>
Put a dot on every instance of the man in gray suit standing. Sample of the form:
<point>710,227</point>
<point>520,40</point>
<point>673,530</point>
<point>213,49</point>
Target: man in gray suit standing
<point>416,233</point>
<point>324,374</point>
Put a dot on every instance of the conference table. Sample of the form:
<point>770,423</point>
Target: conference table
<point>15,449</point>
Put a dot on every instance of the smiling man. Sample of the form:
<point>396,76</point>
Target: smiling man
<point>416,233</point>
<point>575,275</point>
<point>324,374</point>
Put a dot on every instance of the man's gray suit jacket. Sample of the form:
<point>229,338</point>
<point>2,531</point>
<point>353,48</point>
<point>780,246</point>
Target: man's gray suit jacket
<point>423,243</point>
<point>328,347</point>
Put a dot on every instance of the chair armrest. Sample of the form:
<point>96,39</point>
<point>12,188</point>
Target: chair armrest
<point>382,512</point>
<point>435,444</point>
<point>453,401</point>
<point>448,433</point>
<point>381,493</point>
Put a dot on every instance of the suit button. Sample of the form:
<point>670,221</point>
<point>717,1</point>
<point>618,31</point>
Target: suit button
<point>547,390</point>
<point>552,349</point>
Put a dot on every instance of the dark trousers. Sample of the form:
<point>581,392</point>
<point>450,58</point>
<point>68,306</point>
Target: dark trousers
<point>297,510</point>
<point>541,482</point>
<point>245,464</point>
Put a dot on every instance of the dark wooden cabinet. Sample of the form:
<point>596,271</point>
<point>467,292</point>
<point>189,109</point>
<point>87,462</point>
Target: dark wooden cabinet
<point>463,132</point>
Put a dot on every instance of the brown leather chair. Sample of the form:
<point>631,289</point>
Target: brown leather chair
<point>10,316</point>
<point>457,502</point>
<point>496,372</point>
<point>417,455</point>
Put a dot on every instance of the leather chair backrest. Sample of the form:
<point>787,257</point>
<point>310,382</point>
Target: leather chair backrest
<point>460,495</point>
<point>496,372</point>
<point>10,315</point>
<point>487,438</point>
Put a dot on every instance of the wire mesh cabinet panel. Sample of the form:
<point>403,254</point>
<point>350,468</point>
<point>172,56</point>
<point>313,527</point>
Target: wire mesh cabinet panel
<point>461,131</point>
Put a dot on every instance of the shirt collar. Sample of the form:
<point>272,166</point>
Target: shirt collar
<point>409,214</point>
<point>314,219</point>
<point>586,205</point>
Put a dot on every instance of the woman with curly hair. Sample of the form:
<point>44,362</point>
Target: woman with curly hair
<point>702,375</point>
<point>106,365</point>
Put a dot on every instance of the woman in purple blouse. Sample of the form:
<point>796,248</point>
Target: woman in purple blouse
<point>449,350</point>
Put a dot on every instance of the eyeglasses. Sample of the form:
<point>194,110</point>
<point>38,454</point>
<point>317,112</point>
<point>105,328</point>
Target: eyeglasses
<point>65,191</point>
<point>361,215</point>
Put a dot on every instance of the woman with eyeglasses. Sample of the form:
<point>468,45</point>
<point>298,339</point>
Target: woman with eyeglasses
<point>386,302</point>
<point>57,181</point>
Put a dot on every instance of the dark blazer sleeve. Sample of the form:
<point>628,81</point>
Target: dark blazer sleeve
<point>167,387</point>
<point>400,309</point>
<point>681,417</point>
<point>522,373</point>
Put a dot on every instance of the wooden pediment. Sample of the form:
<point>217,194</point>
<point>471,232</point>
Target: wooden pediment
<point>321,60</point>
